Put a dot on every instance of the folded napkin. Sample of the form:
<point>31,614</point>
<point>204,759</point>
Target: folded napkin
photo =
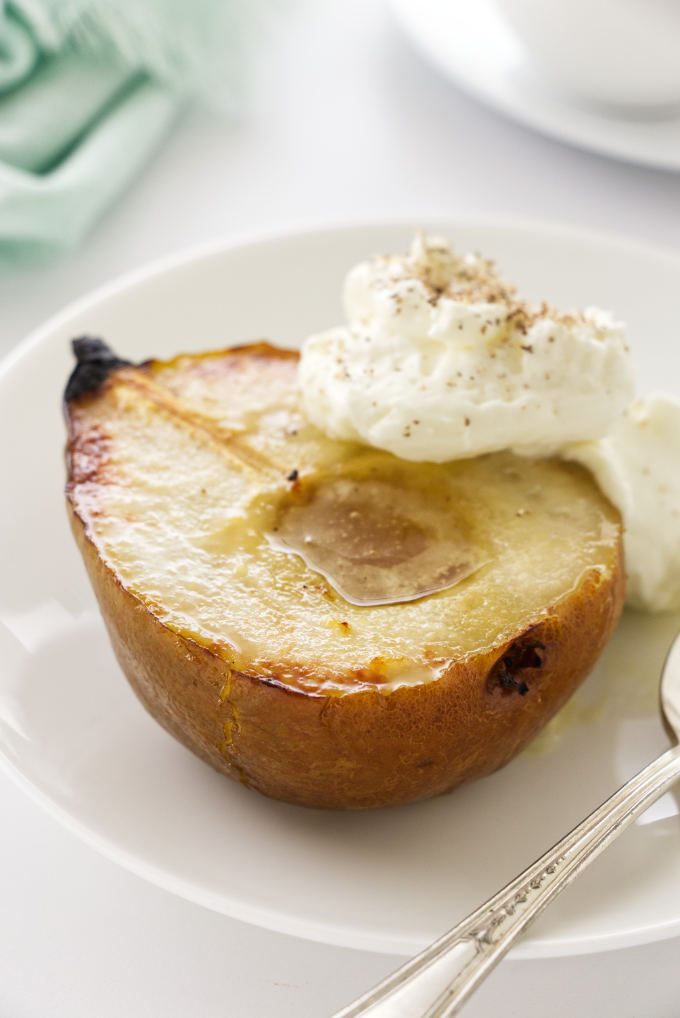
<point>87,90</point>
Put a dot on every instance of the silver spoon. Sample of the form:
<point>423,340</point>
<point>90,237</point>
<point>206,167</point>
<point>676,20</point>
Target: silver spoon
<point>438,981</point>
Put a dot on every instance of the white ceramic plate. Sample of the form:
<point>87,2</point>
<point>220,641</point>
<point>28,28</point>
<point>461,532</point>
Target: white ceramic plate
<point>74,736</point>
<point>471,44</point>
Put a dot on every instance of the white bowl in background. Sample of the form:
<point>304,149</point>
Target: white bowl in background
<point>618,53</point>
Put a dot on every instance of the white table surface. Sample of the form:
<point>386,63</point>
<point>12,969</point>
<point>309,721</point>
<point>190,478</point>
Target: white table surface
<point>346,122</point>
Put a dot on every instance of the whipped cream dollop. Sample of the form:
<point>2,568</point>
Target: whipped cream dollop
<point>441,360</point>
<point>636,466</point>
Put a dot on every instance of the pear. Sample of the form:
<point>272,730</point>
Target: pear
<point>326,623</point>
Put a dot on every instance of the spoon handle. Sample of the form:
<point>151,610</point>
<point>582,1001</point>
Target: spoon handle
<point>439,980</point>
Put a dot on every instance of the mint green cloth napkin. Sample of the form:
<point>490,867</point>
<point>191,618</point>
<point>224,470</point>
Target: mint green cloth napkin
<point>75,127</point>
<point>89,87</point>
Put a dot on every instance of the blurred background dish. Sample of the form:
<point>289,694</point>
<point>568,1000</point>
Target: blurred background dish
<point>474,45</point>
<point>621,55</point>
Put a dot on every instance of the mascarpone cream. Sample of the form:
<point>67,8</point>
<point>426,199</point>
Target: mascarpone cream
<point>440,360</point>
<point>636,466</point>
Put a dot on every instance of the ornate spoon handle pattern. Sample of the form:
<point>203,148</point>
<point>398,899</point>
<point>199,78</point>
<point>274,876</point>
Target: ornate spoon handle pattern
<point>439,980</point>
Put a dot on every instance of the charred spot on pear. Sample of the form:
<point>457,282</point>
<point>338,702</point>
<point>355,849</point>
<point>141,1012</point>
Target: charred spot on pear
<point>312,617</point>
<point>94,362</point>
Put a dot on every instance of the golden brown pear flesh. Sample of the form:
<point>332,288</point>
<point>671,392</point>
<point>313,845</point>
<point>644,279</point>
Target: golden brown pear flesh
<point>218,526</point>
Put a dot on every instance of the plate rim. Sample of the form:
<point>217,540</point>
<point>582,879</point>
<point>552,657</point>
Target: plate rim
<point>224,243</point>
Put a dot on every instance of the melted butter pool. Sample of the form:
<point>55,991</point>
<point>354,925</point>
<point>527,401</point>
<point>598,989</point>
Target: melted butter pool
<point>379,533</point>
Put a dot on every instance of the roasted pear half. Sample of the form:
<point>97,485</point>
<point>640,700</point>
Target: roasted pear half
<point>328,624</point>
